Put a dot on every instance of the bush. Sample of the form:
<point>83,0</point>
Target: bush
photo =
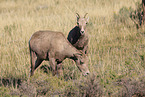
<point>87,87</point>
<point>136,15</point>
<point>132,87</point>
<point>123,15</point>
<point>126,14</point>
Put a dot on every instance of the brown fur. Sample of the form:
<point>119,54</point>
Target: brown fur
<point>78,35</point>
<point>53,46</point>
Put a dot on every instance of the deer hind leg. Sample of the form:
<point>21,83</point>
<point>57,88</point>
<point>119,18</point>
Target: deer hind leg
<point>35,62</point>
<point>38,62</point>
<point>33,58</point>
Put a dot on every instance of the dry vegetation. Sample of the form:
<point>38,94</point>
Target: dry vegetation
<point>116,48</point>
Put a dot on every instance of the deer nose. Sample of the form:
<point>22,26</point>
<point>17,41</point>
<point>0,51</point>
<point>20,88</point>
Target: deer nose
<point>82,32</point>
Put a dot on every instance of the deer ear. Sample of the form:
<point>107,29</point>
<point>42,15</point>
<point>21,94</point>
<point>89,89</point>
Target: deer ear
<point>87,19</point>
<point>85,15</point>
<point>78,16</point>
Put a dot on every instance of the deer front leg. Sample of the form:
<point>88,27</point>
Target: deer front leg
<point>59,69</point>
<point>53,65</point>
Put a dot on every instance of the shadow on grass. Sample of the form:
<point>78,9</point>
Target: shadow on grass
<point>46,69</point>
<point>14,82</point>
<point>68,72</point>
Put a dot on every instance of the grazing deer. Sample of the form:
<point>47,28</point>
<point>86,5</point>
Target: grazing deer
<point>78,35</point>
<point>54,47</point>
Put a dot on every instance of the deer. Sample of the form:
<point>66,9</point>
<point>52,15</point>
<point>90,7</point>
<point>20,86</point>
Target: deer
<point>78,36</point>
<point>52,46</point>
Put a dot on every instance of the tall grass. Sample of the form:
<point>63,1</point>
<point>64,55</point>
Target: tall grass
<point>116,47</point>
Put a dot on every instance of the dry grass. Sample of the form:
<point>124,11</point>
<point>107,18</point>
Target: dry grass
<point>116,47</point>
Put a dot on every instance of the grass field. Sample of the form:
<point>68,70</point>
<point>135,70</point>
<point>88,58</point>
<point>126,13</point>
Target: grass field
<point>116,48</point>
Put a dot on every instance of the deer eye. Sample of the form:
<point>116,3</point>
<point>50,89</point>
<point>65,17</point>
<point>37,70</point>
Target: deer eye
<point>77,23</point>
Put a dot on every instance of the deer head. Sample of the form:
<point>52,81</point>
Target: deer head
<point>82,22</point>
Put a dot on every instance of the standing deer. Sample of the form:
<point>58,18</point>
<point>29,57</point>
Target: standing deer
<point>54,47</point>
<point>78,35</point>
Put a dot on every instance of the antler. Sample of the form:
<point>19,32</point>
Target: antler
<point>78,16</point>
<point>85,15</point>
